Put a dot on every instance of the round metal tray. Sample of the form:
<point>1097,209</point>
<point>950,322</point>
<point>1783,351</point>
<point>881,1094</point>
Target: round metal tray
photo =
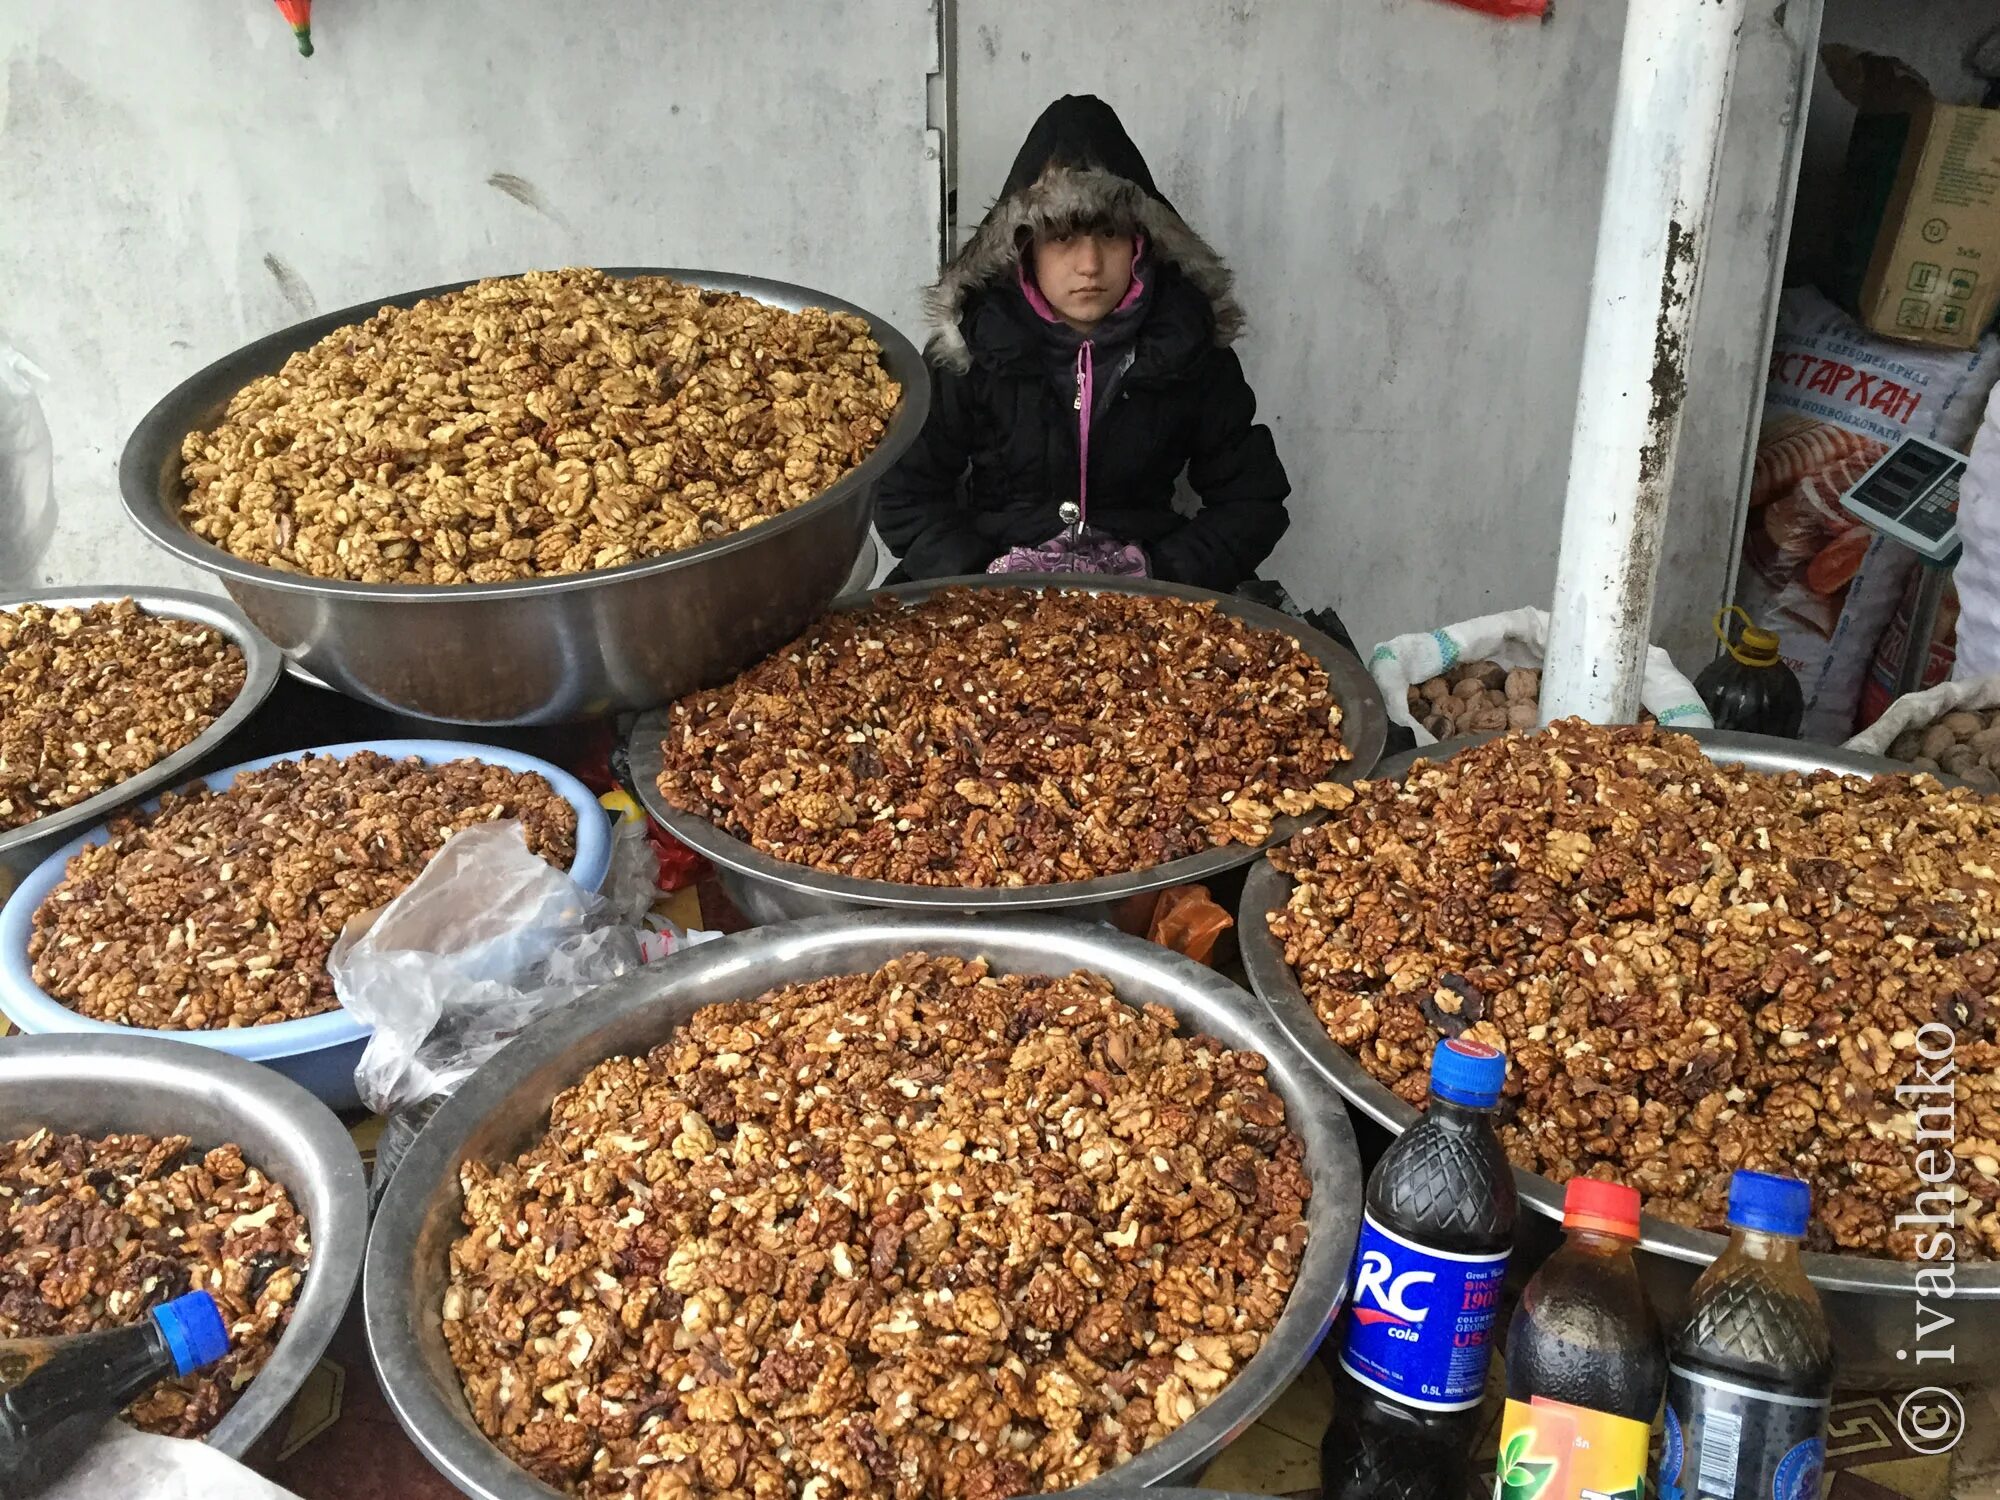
<point>21,849</point>
<point>504,1107</point>
<point>95,1085</point>
<point>542,650</point>
<point>1870,1302</point>
<point>767,889</point>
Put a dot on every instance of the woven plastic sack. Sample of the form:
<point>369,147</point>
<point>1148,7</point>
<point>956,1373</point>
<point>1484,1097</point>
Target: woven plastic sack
<point>1517,638</point>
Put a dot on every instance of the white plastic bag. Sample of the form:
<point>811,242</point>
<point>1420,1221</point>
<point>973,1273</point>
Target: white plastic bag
<point>1978,571</point>
<point>27,472</point>
<point>1918,710</point>
<point>488,938</point>
<point>142,1466</point>
<point>1517,638</point>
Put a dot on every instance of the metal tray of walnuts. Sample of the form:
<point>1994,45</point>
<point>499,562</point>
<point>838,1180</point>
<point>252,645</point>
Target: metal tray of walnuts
<point>505,1106</point>
<point>541,650</point>
<point>95,1086</point>
<point>23,848</point>
<point>1870,1302</point>
<point>767,889</point>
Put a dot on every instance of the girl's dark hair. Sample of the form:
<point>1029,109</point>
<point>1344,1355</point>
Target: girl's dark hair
<point>1115,221</point>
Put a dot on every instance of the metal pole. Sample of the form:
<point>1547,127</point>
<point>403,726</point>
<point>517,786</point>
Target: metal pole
<point>1666,131</point>
<point>1923,626</point>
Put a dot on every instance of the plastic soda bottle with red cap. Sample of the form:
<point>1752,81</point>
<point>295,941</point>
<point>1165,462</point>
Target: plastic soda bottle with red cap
<point>1750,1371</point>
<point>1585,1362</point>
<point>1436,1230</point>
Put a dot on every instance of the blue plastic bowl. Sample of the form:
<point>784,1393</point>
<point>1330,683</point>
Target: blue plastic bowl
<point>318,1053</point>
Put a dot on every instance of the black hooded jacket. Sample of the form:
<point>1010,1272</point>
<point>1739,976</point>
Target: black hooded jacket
<point>998,455</point>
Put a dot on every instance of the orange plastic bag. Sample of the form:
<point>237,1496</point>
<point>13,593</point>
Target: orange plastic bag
<point>1187,921</point>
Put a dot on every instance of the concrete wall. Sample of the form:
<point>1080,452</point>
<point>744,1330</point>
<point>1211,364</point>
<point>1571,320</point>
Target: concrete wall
<point>1409,192</point>
<point>177,180</point>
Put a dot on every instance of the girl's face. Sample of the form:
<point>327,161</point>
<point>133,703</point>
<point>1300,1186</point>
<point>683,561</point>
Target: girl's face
<point>1084,275</point>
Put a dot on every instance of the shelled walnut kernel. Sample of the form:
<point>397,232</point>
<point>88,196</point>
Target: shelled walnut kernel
<point>529,426</point>
<point>925,1232</point>
<point>1692,967</point>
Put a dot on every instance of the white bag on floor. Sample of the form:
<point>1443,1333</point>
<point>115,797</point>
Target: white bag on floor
<point>1919,710</point>
<point>1517,638</point>
<point>1978,571</point>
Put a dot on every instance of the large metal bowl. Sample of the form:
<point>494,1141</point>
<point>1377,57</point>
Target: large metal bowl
<point>505,1107</point>
<point>767,889</point>
<point>1871,1303</point>
<point>545,650</point>
<point>21,849</point>
<point>95,1085</point>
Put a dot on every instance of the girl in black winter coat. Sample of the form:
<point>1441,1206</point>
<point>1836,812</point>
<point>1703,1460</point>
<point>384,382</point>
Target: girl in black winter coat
<point>1081,351</point>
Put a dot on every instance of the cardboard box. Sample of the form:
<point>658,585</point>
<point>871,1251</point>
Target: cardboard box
<point>1921,253</point>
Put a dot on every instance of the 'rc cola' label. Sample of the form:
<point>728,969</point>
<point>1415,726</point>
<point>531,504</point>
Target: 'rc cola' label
<point>1421,1320</point>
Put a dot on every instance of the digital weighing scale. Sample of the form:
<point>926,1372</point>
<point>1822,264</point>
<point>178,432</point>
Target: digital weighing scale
<point>1911,497</point>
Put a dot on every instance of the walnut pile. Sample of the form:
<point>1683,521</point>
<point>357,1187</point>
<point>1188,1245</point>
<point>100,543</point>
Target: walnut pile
<point>926,1232</point>
<point>1007,737</point>
<point>90,697</point>
<point>535,425</point>
<point>220,909</point>
<point>94,1234</point>
<point>1963,743</point>
<point>1692,968</point>
<point>1481,697</point>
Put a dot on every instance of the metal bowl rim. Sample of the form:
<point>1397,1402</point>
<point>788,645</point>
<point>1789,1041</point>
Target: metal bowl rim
<point>338,1246</point>
<point>1362,715</point>
<point>173,417</point>
<point>261,666</point>
<point>307,1034</point>
<point>1268,888</point>
<point>811,948</point>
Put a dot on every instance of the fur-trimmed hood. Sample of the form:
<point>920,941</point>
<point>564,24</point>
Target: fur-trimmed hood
<point>1077,166</point>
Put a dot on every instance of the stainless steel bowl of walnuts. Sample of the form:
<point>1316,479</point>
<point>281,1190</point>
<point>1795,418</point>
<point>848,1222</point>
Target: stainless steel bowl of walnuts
<point>1699,952</point>
<point>535,499</point>
<point>1007,1024</point>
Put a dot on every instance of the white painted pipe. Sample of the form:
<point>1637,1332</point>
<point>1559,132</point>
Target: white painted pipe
<point>1666,131</point>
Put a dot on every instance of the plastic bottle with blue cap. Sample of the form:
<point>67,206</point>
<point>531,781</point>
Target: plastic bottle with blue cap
<point>60,1392</point>
<point>1750,1368</point>
<point>1436,1230</point>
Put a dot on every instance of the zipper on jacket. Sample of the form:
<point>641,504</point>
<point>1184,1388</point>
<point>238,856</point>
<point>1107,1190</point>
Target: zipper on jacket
<point>1084,395</point>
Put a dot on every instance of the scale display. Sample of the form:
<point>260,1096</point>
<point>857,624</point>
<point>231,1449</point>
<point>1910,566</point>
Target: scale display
<point>1911,495</point>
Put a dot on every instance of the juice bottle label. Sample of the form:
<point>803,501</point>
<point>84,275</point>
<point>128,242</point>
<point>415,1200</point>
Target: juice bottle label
<point>1550,1450</point>
<point>1421,1321</point>
<point>1726,1441</point>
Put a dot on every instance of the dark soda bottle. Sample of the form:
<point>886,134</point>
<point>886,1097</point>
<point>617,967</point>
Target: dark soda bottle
<point>1585,1362</point>
<point>61,1392</point>
<point>1750,1369</point>
<point>1748,687</point>
<point>1436,1231</point>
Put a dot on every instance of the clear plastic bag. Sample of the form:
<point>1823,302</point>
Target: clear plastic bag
<point>27,472</point>
<point>488,939</point>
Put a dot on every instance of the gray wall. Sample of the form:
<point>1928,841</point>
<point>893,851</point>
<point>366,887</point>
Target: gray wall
<point>1409,191</point>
